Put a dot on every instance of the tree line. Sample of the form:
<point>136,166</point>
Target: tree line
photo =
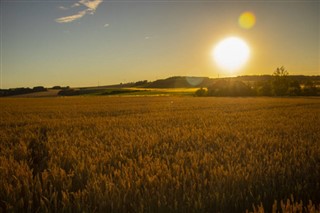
<point>21,91</point>
<point>279,85</point>
<point>27,90</point>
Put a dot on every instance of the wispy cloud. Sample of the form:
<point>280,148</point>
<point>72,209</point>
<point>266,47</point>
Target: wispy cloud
<point>71,18</point>
<point>106,25</point>
<point>91,6</point>
<point>63,8</point>
<point>75,5</point>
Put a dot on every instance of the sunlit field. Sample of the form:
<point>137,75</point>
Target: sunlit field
<point>159,154</point>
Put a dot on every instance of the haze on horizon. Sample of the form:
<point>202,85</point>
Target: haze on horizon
<point>91,42</point>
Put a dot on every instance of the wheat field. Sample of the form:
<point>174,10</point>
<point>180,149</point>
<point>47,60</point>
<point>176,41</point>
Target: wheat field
<point>159,154</point>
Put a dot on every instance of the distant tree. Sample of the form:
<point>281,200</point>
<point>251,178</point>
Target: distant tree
<point>280,82</point>
<point>280,71</point>
<point>56,87</point>
<point>229,88</point>
<point>68,92</point>
<point>39,89</point>
<point>309,89</point>
<point>294,88</point>
<point>20,91</point>
<point>219,88</point>
<point>263,88</point>
<point>140,83</point>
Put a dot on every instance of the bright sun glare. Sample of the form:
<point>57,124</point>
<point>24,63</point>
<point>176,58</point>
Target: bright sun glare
<point>231,53</point>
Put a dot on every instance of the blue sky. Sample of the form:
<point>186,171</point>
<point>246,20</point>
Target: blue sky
<point>91,42</point>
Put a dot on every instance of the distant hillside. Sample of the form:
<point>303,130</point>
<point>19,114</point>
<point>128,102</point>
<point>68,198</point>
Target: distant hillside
<point>144,86</point>
<point>180,82</point>
<point>300,78</point>
<point>195,82</point>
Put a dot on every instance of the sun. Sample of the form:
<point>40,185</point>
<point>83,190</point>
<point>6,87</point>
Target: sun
<point>231,53</point>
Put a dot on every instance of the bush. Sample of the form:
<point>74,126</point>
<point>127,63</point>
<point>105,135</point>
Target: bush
<point>309,89</point>
<point>230,88</point>
<point>69,92</point>
<point>201,92</point>
<point>39,89</point>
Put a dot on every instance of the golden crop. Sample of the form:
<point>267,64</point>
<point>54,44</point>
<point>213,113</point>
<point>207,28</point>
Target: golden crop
<point>159,154</point>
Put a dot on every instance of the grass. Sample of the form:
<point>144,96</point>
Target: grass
<point>159,154</point>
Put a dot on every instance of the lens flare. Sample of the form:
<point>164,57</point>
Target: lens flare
<point>247,20</point>
<point>194,81</point>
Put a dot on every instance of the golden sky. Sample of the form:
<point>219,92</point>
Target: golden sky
<point>91,42</point>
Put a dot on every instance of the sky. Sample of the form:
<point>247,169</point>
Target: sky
<point>101,42</point>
